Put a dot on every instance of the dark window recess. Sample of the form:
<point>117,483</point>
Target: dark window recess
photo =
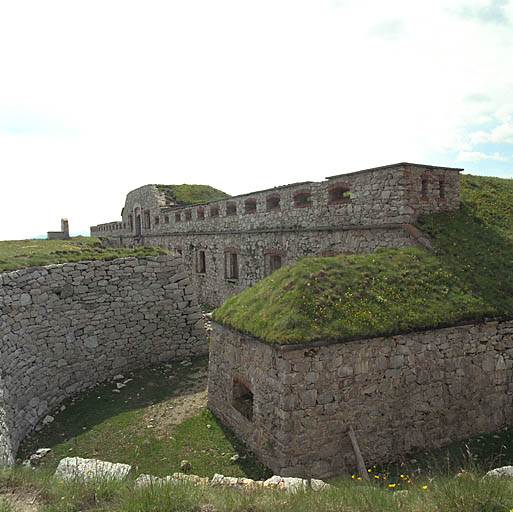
<point>231,261</point>
<point>303,199</point>
<point>166,219</point>
<point>188,215</point>
<point>178,217</point>
<point>179,251</point>
<point>250,206</point>
<point>200,214</point>
<point>274,262</point>
<point>272,203</point>
<point>442,189</point>
<point>147,220</point>
<point>231,209</point>
<point>157,220</point>
<point>339,195</point>
<point>242,399</point>
<point>202,262</point>
<point>214,211</point>
<point>424,192</point>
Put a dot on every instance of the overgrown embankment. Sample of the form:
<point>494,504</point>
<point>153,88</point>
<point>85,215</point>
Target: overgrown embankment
<point>468,277</point>
<point>17,254</point>
<point>190,194</point>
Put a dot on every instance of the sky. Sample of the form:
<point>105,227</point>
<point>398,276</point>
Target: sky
<point>100,97</point>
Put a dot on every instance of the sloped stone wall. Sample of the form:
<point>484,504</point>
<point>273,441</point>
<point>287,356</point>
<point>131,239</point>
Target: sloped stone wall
<point>67,327</point>
<point>401,393</point>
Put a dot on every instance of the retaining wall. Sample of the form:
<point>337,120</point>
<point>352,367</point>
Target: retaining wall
<point>67,327</point>
<point>405,392</point>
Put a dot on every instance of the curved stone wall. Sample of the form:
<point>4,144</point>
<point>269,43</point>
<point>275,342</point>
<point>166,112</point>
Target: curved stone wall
<point>67,327</point>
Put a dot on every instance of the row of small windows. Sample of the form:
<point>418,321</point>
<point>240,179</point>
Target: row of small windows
<point>231,262</point>
<point>302,199</point>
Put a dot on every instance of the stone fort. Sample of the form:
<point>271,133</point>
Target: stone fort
<point>230,244</point>
<point>66,327</point>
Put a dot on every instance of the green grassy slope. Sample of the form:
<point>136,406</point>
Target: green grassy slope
<point>191,194</point>
<point>469,276</point>
<point>16,254</point>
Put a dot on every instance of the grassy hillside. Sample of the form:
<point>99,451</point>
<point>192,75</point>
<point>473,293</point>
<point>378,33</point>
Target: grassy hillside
<point>16,254</point>
<point>469,276</point>
<point>191,194</point>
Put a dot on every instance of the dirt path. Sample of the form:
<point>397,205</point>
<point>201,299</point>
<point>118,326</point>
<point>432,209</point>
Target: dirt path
<point>190,398</point>
<point>21,500</point>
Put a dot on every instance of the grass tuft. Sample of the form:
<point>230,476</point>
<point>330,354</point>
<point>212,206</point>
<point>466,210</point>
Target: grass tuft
<point>18,254</point>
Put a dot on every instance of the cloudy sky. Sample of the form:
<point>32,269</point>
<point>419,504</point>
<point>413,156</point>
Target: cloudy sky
<point>100,97</point>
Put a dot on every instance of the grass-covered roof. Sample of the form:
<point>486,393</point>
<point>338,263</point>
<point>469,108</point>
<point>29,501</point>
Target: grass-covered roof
<point>17,254</point>
<point>190,194</point>
<point>468,277</point>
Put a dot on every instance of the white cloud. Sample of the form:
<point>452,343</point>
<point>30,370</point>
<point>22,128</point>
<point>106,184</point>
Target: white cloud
<point>472,156</point>
<point>239,95</point>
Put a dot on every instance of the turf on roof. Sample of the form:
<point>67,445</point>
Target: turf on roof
<point>190,194</point>
<point>468,277</point>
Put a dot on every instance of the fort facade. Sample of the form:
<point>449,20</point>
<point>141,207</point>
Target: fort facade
<point>230,244</point>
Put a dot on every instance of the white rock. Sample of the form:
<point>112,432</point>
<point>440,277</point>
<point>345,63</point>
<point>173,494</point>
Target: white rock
<point>318,485</point>
<point>143,480</point>
<point>120,385</point>
<point>118,377</point>
<point>217,479</point>
<point>504,471</point>
<point>82,469</point>
<point>41,452</point>
<point>48,419</point>
<point>294,484</point>
<point>273,481</point>
<point>235,458</point>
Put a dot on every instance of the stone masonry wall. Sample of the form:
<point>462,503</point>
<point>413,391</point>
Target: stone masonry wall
<point>418,390</point>
<point>67,327</point>
<point>375,212</point>
<point>254,250</point>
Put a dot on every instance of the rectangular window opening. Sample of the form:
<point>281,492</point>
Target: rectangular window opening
<point>424,192</point>
<point>272,203</point>
<point>231,209</point>
<point>201,262</point>
<point>242,398</point>
<point>339,194</point>
<point>442,189</point>
<point>303,199</point>
<point>231,262</point>
<point>250,206</point>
